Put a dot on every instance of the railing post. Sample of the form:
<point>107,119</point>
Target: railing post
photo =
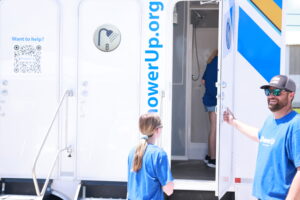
<point>68,93</point>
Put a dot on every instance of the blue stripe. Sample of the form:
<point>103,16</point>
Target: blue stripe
<point>279,3</point>
<point>257,47</point>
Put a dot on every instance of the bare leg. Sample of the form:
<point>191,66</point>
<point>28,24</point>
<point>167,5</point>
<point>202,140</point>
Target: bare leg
<point>212,135</point>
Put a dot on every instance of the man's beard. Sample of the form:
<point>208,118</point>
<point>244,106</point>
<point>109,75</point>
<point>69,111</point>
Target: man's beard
<point>277,106</point>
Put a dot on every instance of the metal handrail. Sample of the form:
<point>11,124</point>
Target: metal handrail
<point>37,189</point>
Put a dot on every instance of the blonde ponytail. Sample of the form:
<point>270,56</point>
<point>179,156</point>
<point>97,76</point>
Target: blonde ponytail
<point>138,155</point>
<point>147,124</point>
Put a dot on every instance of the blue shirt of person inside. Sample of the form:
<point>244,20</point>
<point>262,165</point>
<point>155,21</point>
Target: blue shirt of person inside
<point>278,157</point>
<point>146,184</point>
<point>210,76</point>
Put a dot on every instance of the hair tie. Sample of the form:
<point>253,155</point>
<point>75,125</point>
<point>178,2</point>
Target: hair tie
<point>145,137</point>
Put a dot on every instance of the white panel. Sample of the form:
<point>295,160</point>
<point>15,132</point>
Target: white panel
<point>29,83</point>
<point>225,99</point>
<point>108,90</point>
<point>69,52</point>
<point>292,6</point>
<point>246,110</point>
<point>292,37</point>
<point>293,19</point>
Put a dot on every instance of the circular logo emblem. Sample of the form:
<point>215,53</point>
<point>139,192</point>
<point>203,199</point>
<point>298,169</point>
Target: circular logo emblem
<point>228,35</point>
<point>107,37</point>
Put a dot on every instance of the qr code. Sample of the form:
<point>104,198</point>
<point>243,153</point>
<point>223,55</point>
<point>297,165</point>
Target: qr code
<point>27,58</point>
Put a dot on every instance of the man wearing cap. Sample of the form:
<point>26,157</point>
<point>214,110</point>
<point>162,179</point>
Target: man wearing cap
<point>277,174</point>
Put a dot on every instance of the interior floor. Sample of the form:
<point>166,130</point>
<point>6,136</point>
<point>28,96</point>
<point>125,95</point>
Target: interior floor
<point>192,169</point>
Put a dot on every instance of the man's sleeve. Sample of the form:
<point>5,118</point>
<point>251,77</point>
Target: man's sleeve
<point>295,148</point>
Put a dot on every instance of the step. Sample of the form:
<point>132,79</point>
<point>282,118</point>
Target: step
<point>66,188</point>
<point>19,197</point>
<point>198,185</point>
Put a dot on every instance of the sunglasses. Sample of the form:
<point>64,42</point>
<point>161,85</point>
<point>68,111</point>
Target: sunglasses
<point>275,92</point>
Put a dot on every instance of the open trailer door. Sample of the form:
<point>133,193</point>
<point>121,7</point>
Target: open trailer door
<point>225,95</point>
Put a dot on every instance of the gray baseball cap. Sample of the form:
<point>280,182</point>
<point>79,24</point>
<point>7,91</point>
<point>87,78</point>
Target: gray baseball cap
<point>281,82</point>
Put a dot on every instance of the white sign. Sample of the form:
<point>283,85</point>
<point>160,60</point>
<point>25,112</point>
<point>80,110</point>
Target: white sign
<point>107,37</point>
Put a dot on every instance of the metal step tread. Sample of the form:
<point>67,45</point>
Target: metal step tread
<point>198,185</point>
<point>19,197</point>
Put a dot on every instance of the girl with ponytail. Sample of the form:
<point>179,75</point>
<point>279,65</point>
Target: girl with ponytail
<point>149,174</point>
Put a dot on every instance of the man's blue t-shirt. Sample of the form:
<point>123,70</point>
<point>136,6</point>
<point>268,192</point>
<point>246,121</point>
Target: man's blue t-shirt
<point>146,184</point>
<point>210,76</point>
<point>278,157</point>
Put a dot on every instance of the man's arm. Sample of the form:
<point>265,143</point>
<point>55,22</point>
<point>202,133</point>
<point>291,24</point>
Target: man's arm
<point>294,192</point>
<point>247,130</point>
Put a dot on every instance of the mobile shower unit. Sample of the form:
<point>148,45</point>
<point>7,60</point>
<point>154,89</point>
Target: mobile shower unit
<point>76,75</point>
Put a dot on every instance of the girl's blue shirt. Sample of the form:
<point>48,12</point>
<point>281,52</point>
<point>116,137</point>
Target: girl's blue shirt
<point>147,183</point>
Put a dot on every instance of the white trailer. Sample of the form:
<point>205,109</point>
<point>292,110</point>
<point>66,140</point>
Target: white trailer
<point>80,72</point>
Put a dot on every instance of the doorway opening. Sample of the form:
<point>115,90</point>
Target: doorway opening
<point>195,37</point>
